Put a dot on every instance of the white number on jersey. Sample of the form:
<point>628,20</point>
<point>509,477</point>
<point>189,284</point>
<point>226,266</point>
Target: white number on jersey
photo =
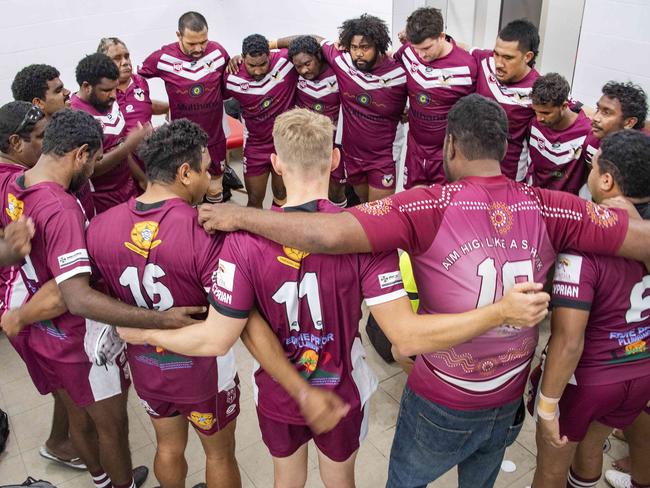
<point>290,294</point>
<point>153,288</point>
<point>638,302</point>
<point>509,273</point>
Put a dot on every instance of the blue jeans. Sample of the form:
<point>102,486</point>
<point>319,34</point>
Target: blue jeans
<point>431,439</point>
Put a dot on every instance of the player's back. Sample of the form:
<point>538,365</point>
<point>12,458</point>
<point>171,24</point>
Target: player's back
<point>614,291</point>
<point>157,256</point>
<point>313,304</point>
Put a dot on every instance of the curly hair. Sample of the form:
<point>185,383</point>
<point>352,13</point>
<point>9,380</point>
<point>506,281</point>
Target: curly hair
<point>423,23</point>
<point>69,129</point>
<point>370,27</point>
<point>551,88</point>
<point>625,155</point>
<point>94,67</point>
<point>106,42</point>
<point>31,82</point>
<point>633,100</point>
<point>255,45</point>
<point>164,151</point>
<point>479,126</point>
<point>11,116</point>
<point>304,44</point>
<point>525,33</point>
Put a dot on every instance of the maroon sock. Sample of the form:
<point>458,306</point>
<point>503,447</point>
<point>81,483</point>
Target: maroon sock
<point>101,479</point>
<point>575,481</point>
<point>639,485</point>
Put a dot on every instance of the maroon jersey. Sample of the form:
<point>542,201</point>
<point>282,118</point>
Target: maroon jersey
<point>372,105</point>
<point>135,105</point>
<point>157,256</point>
<point>58,252</point>
<point>195,90</point>
<point>469,242</point>
<point>614,291</point>
<point>320,94</point>
<point>557,158</point>
<point>514,98</point>
<point>116,186</point>
<point>261,102</point>
<point>433,88</point>
<point>312,303</point>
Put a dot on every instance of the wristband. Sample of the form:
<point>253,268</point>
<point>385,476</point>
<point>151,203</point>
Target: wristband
<point>273,44</point>
<point>544,415</point>
<point>552,400</point>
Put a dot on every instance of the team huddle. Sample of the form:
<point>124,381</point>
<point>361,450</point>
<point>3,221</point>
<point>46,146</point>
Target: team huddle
<point>121,264</point>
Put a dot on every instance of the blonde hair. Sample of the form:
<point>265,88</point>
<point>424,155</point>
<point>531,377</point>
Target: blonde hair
<point>303,140</point>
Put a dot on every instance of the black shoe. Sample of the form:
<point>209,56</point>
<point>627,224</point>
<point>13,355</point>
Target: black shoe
<point>200,485</point>
<point>140,475</point>
<point>231,180</point>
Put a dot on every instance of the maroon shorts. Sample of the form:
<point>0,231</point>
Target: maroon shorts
<point>85,382</point>
<point>39,378</point>
<point>422,167</point>
<point>338,444</point>
<point>378,174</point>
<point>257,160</point>
<point>207,416</point>
<point>338,175</point>
<point>616,405</point>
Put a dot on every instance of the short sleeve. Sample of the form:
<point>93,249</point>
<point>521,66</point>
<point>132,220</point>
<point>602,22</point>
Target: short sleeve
<point>67,254</point>
<point>480,54</point>
<point>381,279</point>
<point>149,67</point>
<point>574,281</point>
<point>232,292</point>
<point>408,220</point>
<point>575,223</point>
<point>207,255</point>
<point>329,51</point>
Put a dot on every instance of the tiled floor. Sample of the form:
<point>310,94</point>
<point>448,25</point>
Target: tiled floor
<point>30,416</point>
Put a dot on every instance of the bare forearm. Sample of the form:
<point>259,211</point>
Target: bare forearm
<point>8,254</point>
<point>193,340</point>
<point>111,159</point>
<point>265,347</point>
<point>47,303</point>
<point>635,246</point>
<point>561,361</point>
<point>159,107</point>
<point>283,42</point>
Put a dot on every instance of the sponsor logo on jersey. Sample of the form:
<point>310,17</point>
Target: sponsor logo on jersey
<point>601,216</point>
<point>567,268</point>
<point>138,93</point>
<point>143,237</point>
<point>230,410</point>
<point>309,360</point>
<point>196,90</point>
<point>423,99</point>
<point>14,208</point>
<point>317,107</point>
<point>293,257</point>
<point>266,103</point>
<point>231,395</point>
<point>364,99</point>
<point>225,275</point>
<point>203,421</point>
<point>73,257</point>
<point>500,217</point>
<point>222,296</point>
<point>389,279</point>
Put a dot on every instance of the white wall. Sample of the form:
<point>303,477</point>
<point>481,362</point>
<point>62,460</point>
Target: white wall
<point>61,33</point>
<point>614,45</point>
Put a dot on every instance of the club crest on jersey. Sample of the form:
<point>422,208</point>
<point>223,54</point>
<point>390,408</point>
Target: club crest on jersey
<point>178,67</point>
<point>143,235</point>
<point>196,90</point>
<point>541,144</point>
<point>302,84</point>
<point>500,217</point>
<point>333,86</point>
<point>491,78</point>
<point>244,86</point>
<point>203,421</point>
<point>364,99</point>
<point>376,207</point>
<point>415,67</point>
<point>138,93</point>
<point>423,99</point>
<point>577,152</point>
<point>317,107</point>
<point>388,180</point>
<point>14,208</point>
<point>601,216</point>
<point>293,257</point>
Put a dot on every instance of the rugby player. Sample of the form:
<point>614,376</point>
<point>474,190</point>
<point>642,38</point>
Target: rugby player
<point>264,85</point>
<point>597,367</point>
<point>136,249</point>
<point>92,394</point>
<point>312,303</point>
<point>193,70</point>
<point>111,180</point>
<point>558,137</point>
<point>438,73</point>
<point>133,98</point>
<point>40,85</point>
<point>506,74</point>
<point>318,90</point>
<point>468,241</point>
